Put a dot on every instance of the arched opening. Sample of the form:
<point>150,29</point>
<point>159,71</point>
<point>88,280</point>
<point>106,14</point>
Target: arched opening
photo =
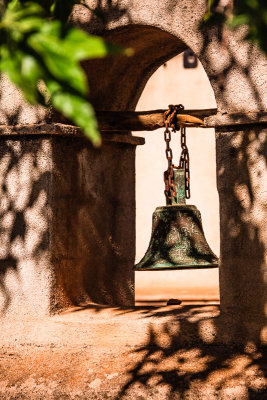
<point>117,84</point>
<point>172,83</point>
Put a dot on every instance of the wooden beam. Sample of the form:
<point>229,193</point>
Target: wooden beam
<point>146,120</point>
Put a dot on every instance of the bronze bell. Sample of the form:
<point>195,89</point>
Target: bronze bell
<point>177,240</point>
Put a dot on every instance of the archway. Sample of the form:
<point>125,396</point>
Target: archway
<point>172,84</point>
<point>235,75</point>
<point>124,79</point>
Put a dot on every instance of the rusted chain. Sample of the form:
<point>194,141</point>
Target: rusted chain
<point>184,162</point>
<point>170,122</point>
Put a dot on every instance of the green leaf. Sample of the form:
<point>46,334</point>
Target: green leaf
<point>61,55</point>
<point>23,70</point>
<point>17,11</point>
<point>30,23</point>
<point>53,28</point>
<point>76,108</point>
<point>253,4</point>
<point>2,8</point>
<point>34,48</point>
<point>31,69</point>
<point>59,62</point>
<point>84,46</point>
<point>238,20</point>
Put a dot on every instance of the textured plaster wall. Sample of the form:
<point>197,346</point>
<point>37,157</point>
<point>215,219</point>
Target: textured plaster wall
<point>25,270</point>
<point>65,232</point>
<point>13,107</point>
<point>158,31</point>
<point>237,71</point>
<point>242,184</point>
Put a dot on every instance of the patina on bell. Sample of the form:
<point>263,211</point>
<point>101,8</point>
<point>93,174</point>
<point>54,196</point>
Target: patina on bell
<point>177,240</point>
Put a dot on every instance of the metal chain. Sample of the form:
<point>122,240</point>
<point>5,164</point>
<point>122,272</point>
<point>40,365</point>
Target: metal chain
<point>185,162</point>
<point>170,122</point>
<point>169,174</point>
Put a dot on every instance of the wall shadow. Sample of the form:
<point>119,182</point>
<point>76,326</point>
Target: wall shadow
<point>180,355</point>
<point>241,170</point>
<point>195,370</point>
<point>91,249</point>
<point>170,356</point>
<point>24,187</point>
<point>233,73</point>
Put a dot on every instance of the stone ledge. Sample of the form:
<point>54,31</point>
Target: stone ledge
<point>58,129</point>
<point>246,118</point>
<point>93,324</point>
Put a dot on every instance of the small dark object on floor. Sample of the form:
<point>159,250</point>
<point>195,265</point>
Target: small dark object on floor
<point>173,302</point>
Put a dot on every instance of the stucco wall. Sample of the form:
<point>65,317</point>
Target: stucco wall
<point>157,31</point>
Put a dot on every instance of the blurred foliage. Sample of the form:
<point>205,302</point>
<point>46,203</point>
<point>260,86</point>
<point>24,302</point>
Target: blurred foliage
<point>234,13</point>
<point>41,52</point>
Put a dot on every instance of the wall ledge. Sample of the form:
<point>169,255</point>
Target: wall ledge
<point>58,129</point>
<point>240,118</point>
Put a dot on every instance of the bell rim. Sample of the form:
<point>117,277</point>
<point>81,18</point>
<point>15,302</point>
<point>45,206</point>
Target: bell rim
<point>164,266</point>
<point>177,267</point>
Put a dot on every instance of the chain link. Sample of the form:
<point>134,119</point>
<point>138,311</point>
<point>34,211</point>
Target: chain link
<point>184,162</point>
<point>170,121</point>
